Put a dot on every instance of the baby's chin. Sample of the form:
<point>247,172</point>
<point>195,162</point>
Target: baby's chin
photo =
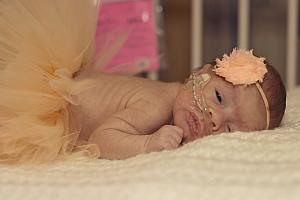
<point>190,136</point>
<point>188,140</point>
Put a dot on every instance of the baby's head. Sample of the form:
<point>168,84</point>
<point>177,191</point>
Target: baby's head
<point>240,92</point>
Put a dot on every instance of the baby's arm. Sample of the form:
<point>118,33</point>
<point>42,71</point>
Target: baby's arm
<point>134,131</point>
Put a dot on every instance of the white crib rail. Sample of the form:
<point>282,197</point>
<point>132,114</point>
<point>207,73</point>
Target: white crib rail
<point>292,43</point>
<point>197,33</point>
<point>243,24</point>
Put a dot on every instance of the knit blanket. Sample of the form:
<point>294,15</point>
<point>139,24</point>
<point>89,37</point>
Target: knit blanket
<point>254,165</point>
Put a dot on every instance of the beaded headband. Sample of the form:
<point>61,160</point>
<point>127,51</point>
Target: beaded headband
<point>241,67</point>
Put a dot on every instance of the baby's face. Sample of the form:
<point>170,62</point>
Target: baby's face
<point>231,108</point>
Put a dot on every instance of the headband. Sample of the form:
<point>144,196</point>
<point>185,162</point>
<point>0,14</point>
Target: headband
<point>241,67</point>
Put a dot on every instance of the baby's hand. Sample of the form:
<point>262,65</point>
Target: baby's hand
<point>166,138</point>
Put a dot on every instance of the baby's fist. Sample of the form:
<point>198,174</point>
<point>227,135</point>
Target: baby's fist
<point>166,138</point>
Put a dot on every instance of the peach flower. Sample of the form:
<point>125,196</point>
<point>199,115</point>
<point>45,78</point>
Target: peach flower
<point>241,67</point>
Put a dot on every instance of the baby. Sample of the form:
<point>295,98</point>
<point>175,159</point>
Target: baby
<point>53,107</point>
<point>126,116</point>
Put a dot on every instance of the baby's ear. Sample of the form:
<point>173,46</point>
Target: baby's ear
<point>204,69</point>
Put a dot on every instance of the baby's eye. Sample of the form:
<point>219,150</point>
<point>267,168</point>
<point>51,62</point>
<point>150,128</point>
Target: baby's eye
<point>218,96</point>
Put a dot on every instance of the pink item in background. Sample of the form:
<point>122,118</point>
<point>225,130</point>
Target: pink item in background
<point>139,52</point>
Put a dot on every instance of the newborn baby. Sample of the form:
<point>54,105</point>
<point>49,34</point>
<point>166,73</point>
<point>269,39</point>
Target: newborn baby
<point>50,110</point>
<point>126,116</point>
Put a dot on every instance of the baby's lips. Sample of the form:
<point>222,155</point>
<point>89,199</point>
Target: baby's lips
<point>205,127</point>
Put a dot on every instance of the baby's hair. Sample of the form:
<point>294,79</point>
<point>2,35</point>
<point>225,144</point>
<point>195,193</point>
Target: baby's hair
<point>276,94</point>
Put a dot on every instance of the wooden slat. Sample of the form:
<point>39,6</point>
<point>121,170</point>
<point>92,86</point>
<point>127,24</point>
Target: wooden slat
<point>292,42</point>
<point>197,33</point>
<point>243,24</point>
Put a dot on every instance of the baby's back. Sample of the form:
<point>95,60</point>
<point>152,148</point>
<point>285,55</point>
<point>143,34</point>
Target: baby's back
<point>113,93</point>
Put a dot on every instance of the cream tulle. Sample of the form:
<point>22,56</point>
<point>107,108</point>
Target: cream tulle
<point>42,44</point>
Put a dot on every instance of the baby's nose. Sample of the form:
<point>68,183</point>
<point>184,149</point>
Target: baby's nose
<point>217,119</point>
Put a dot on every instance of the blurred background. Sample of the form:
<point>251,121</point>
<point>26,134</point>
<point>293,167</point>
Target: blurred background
<point>189,33</point>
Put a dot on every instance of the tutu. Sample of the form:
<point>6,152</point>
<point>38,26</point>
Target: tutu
<point>42,45</point>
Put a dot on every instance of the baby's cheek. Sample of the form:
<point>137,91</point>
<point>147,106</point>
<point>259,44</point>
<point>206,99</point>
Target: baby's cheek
<point>209,98</point>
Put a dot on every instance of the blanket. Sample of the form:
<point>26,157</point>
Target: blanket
<point>254,165</point>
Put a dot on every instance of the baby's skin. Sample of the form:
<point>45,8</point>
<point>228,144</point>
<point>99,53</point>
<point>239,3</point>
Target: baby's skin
<point>126,116</point>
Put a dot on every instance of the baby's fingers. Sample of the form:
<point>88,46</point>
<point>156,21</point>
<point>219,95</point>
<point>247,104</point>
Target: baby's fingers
<point>177,134</point>
<point>175,139</point>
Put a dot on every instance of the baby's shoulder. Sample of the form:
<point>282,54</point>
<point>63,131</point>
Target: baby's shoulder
<point>157,97</point>
<point>120,92</point>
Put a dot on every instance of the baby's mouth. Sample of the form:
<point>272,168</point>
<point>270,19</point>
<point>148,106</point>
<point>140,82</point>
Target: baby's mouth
<point>194,125</point>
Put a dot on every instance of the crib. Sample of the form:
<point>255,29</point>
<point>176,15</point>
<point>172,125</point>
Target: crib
<point>243,35</point>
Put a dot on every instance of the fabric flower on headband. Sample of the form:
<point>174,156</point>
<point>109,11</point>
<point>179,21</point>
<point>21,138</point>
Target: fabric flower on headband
<point>241,67</point>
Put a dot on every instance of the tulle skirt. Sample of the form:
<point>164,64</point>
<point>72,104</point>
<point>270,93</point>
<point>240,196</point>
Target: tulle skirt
<point>43,43</point>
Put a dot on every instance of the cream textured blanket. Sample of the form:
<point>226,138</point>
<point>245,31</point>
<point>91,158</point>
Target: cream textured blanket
<point>257,165</point>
